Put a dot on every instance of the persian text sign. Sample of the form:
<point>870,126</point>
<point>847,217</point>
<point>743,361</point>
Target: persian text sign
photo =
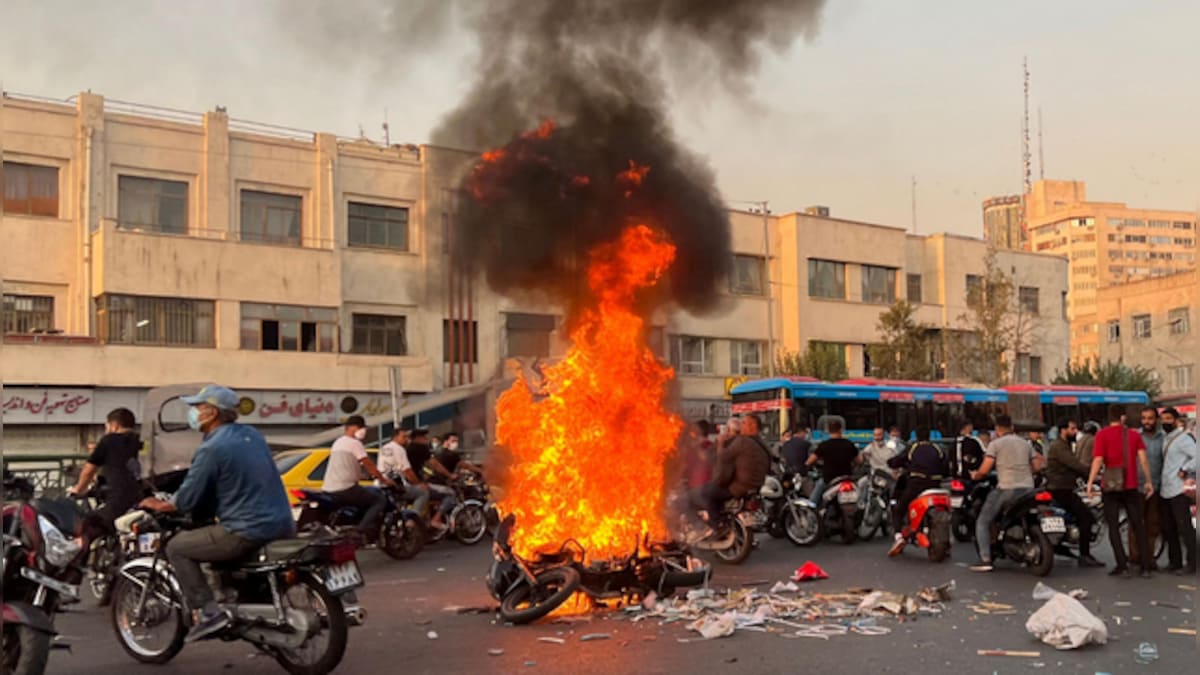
<point>48,406</point>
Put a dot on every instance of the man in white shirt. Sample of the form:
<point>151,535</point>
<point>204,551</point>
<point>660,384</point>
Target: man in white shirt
<point>393,463</point>
<point>342,475</point>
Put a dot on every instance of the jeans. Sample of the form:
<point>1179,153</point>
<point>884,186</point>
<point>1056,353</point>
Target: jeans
<point>1132,501</point>
<point>417,495</point>
<point>1176,524</point>
<point>818,492</point>
<point>371,501</point>
<point>912,488</point>
<point>446,494</point>
<point>187,550</point>
<point>714,497</point>
<point>997,501</point>
<point>1072,504</point>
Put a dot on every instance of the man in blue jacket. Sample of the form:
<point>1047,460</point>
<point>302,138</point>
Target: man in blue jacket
<point>233,478</point>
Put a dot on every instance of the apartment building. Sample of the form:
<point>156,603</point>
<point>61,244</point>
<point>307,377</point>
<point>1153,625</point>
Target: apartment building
<point>1107,243</point>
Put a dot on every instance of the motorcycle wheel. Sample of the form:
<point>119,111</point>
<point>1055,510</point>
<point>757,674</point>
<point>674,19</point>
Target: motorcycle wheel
<point>310,596</point>
<point>962,527</point>
<point>802,525</point>
<point>849,528</point>
<point>470,524</point>
<point>163,606</point>
<point>939,536</point>
<point>526,603</point>
<point>26,650</point>
<point>872,521</point>
<point>106,559</point>
<point>401,538</point>
<point>1045,560</point>
<point>743,541</point>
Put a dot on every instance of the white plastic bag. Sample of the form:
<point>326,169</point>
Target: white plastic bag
<point>1063,622</point>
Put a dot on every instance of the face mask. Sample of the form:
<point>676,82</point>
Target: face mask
<point>360,434</point>
<point>1168,427</point>
<point>193,418</point>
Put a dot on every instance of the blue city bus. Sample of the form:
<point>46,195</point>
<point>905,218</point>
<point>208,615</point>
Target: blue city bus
<point>865,403</point>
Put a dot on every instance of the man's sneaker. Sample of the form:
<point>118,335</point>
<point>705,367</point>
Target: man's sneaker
<point>1122,572</point>
<point>1089,561</point>
<point>208,624</point>
<point>982,567</point>
<point>898,547</point>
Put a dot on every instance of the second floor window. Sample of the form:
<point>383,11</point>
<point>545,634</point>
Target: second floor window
<point>152,204</point>
<point>377,226</point>
<point>1141,326</point>
<point>746,357</point>
<point>878,284</point>
<point>288,328</point>
<point>693,355</point>
<point>1180,321</point>
<point>271,217</point>
<point>1028,297</point>
<point>30,190</point>
<point>826,279</point>
<point>143,320</point>
<point>27,313</point>
<point>1114,332</point>
<point>914,288</point>
<point>380,334</point>
<point>749,274</point>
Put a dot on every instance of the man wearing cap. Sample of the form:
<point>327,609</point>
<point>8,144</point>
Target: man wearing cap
<point>342,476</point>
<point>232,477</point>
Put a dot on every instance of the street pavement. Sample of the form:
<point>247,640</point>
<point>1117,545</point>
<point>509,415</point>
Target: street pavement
<point>407,600</point>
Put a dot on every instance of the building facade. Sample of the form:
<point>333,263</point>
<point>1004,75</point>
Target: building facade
<point>1003,222</point>
<point>1150,323</point>
<point>1107,243</point>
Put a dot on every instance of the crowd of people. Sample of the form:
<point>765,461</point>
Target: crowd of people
<point>1147,473</point>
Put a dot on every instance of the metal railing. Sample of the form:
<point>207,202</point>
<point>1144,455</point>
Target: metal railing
<point>51,474</point>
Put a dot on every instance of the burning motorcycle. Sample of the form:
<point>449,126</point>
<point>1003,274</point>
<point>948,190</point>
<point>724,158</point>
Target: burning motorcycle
<point>530,589</point>
<point>401,532</point>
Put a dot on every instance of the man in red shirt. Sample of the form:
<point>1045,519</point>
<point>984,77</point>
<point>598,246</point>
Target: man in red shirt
<point>1116,446</point>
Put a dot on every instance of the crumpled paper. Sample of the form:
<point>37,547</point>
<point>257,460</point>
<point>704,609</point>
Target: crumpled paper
<point>1064,623</point>
<point>715,625</point>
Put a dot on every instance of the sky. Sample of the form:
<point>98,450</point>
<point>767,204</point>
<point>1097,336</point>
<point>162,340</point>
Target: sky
<point>882,92</point>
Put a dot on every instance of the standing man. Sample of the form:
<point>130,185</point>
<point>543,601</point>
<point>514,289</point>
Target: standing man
<point>342,475</point>
<point>1063,468</point>
<point>1015,462</point>
<point>1117,447</point>
<point>115,458</point>
<point>838,457</point>
<point>797,448</point>
<point>1152,437</point>
<point>968,452</point>
<point>1179,469</point>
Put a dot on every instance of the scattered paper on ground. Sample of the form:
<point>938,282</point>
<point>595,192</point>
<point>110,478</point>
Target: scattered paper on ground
<point>1065,623</point>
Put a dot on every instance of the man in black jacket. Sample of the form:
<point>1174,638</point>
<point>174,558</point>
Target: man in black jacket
<point>1062,470</point>
<point>927,467</point>
<point>968,453</point>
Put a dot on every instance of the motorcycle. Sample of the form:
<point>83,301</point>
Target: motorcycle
<point>929,523</point>
<point>1067,543</point>
<point>285,598</point>
<point>530,589</point>
<point>839,511</point>
<point>401,532</point>
<point>468,522</point>
<point>966,504</point>
<point>1024,532</point>
<point>876,495</point>
<point>28,633</point>
<point>781,511</point>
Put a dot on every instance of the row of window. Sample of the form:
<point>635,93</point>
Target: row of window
<point>1156,224</point>
<point>827,279</point>
<point>1028,297</point>
<point>1179,322</point>
<point>693,355</point>
<point>160,205</point>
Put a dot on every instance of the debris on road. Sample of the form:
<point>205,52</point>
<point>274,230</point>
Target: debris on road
<point>1007,652</point>
<point>495,652</point>
<point>1186,587</point>
<point>1168,605</point>
<point>1078,593</point>
<point>782,587</point>
<point>594,636</point>
<point>809,571</point>
<point>1064,623</point>
<point>553,640</point>
<point>1147,652</point>
<point>432,635</point>
<point>1182,631</point>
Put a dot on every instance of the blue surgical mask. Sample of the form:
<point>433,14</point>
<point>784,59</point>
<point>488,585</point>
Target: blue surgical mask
<point>193,418</point>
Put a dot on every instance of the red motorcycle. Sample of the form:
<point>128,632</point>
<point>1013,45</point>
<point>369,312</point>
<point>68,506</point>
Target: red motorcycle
<point>928,526</point>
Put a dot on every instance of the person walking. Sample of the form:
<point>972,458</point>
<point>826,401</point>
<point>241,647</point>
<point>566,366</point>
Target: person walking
<point>1117,448</point>
<point>1179,467</point>
<point>1152,437</point>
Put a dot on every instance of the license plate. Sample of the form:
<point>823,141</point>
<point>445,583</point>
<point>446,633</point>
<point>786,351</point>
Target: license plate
<point>148,542</point>
<point>848,497</point>
<point>296,511</point>
<point>1053,525</point>
<point>343,577</point>
<point>956,502</point>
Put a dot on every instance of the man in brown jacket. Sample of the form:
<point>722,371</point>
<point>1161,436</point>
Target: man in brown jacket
<point>1063,467</point>
<point>742,466</point>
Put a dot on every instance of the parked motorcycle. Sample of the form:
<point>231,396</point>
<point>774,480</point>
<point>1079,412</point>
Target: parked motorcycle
<point>875,496</point>
<point>928,523</point>
<point>401,532</point>
<point>285,599</point>
<point>781,511</point>
<point>839,512</point>
<point>530,589</point>
<point>1024,531</point>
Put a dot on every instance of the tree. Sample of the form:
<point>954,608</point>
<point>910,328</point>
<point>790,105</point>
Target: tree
<point>991,327</point>
<point>1111,375</point>
<point>903,352</point>
<point>822,360</point>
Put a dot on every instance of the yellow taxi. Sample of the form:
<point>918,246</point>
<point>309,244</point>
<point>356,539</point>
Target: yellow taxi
<point>305,469</point>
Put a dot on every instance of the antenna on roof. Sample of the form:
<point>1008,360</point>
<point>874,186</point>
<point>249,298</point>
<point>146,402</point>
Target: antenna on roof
<point>1041,157</point>
<point>387,134</point>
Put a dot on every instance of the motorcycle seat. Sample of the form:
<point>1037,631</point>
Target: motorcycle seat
<point>281,549</point>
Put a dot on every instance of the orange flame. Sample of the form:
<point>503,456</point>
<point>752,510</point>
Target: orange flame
<point>589,447</point>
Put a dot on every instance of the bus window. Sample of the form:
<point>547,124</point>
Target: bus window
<point>946,418</point>
<point>859,414</point>
<point>1025,408</point>
<point>982,415</point>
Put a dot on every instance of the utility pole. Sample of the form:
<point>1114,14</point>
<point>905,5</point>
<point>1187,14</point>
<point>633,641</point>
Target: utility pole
<point>768,289</point>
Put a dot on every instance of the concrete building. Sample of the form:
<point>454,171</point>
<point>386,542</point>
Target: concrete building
<point>1149,323</point>
<point>1107,243</point>
<point>146,246</point>
<point>1003,218</point>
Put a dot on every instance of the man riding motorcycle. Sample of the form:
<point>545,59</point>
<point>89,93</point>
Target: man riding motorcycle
<point>742,466</point>
<point>1015,462</point>
<point>927,466</point>
<point>232,477</point>
<point>1063,468</point>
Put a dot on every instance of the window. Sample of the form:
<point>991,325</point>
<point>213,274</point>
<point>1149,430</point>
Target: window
<point>974,285</point>
<point>270,217</point>
<point>1182,225</point>
<point>378,226</point>
<point>1029,368</point>
<point>1028,297</point>
<point>30,190</point>
<point>1065,305</point>
<point>1184,241</point>
<point>878,284</point>
<point>28,313</point>
<point>152,204</point>
<point>656,340</point>
<point>1158,240</point>
<point>288,328</point>
<point>826,279</point>
<point>1035,369</point>
<point>1135,239</point>
<point>1141,326</point>
<point>379,334</point>
<point>749,275</point>
<point>914,288</point>
<point>1114,331</point>
<point>693,354</point>
<point>460,341</point>
<point>144,320</point>
<point>1181,378</point>
<point>1180,321</point>
<point>746,357</point>
<point>529,334</point>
